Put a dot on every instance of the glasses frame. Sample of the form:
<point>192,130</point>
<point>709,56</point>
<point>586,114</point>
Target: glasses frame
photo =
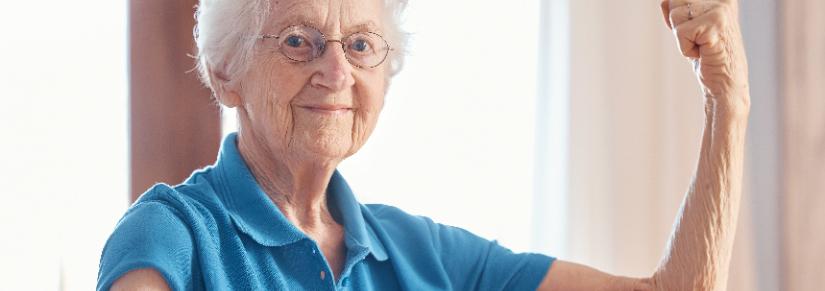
<point>325,41</point>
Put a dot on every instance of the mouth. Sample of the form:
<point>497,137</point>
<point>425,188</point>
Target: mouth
<point>328,109</point>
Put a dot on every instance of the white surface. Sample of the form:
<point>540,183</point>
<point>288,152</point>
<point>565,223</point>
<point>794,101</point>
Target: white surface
<point>63,154</point>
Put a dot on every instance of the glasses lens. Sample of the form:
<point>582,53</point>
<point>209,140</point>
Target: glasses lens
<point>366,49</point>
<point>300,43</point>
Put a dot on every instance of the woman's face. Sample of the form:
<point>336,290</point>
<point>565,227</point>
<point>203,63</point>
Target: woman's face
<point>323,109</point>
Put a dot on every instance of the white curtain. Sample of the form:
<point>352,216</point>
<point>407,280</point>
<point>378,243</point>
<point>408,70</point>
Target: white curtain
<point>636,121</point>
<point>803,129</point>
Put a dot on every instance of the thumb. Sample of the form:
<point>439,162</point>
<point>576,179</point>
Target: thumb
<point>666,13</point>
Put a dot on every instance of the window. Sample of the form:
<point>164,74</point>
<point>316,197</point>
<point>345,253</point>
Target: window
<point>63,171</point>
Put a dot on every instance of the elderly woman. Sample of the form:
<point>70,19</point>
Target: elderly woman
<point>308,79</point>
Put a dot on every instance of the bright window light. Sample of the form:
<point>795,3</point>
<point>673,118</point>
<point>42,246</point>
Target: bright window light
<point>455,141</point>
<point>63,122</point>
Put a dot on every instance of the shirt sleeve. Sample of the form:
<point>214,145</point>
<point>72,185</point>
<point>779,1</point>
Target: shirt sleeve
<point>150,235</point>
<point>474,263</point>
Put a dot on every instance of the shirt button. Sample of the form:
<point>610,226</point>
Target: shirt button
<point>345,282</point>
<point>313,251</point>
<point>323,274</point>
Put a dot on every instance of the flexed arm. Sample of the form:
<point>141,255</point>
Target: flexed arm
<point>699,251</point>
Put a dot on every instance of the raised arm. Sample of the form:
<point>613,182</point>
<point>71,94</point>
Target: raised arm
<point>698,256</point>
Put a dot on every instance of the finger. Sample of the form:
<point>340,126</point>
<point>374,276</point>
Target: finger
<point>677,3</point>
<point>711,38</point>
<point>684,39</point>
<point>697,34</point>
<point>709,32</point>
<point>666,13</point>
<point>687,12</point>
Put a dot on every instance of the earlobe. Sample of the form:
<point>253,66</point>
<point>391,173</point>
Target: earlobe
<point>229,98</point>
<point>222,90</point>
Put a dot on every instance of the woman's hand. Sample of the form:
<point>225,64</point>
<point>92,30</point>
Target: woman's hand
<point>707,32</point>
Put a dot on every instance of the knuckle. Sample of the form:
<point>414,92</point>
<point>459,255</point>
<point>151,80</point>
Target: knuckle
<point>684,31</point>
<point>686,49</point>
<point>719,16</point>
<point>726,11</point>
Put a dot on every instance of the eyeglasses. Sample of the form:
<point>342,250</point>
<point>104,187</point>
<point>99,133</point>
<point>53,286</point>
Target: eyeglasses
<point>303,43</point>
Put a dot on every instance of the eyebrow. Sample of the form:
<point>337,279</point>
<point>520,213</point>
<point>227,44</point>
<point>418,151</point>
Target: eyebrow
<point>294,19</point>
<point>366,26</point>
<point>300,19</point>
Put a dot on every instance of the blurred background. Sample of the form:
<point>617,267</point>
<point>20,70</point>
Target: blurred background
<point>565,127</point>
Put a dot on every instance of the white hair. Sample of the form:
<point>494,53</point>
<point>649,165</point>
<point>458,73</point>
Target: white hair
<point>226,32</point>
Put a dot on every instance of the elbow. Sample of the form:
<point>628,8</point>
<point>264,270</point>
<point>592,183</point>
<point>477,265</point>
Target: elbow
<point>678,283</point>
<point>644,284</point>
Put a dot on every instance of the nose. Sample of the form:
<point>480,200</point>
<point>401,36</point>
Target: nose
<point>332,71</point>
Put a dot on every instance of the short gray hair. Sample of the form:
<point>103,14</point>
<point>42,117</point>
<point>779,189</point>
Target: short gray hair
<point>225,33</point>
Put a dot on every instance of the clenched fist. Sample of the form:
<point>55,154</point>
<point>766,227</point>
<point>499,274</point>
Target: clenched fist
<point>708,33</point>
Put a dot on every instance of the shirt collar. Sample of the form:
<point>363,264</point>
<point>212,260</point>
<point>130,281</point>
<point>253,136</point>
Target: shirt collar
<point>349,212</point>
<point>257,216</point>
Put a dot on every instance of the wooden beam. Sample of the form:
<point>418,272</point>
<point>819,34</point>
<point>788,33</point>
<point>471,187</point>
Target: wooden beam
<point>174,124</point>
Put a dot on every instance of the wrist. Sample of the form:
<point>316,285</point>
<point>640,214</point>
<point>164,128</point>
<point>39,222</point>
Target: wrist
<point>733,107</point>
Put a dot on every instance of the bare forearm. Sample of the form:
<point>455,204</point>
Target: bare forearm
<point>699,251</point>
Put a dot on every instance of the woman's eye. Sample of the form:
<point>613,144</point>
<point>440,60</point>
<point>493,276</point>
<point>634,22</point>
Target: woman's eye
<point>294,41</point>
<point>360,46</point>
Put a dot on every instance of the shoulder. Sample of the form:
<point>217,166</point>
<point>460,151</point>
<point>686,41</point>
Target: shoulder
<point>194,201</point>
<point>387,212</point>
<point>470,261</point>
<point>153,234</point>
<point>394,219</point>
<point>160,231</point>
<point>186,204</point>
<point>141,279</point>
<point>160,209</point>
<point>402,226</point>
<point>177,211</point>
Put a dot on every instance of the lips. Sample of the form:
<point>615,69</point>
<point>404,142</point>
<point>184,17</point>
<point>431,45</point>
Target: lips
<point>327,108</point>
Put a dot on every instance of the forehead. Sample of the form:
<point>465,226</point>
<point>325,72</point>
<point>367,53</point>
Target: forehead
<point>328,15</point>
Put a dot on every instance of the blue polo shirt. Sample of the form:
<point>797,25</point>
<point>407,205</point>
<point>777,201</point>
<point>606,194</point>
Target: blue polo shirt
<point>219,231</point>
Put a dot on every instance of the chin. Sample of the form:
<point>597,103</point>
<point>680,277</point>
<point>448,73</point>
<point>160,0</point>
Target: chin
<point>325,147</point>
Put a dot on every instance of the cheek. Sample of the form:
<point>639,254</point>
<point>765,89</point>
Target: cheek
<point>282,85</point>
<point>268,98</point>
<point>371,90</point>
<point>370,100</point>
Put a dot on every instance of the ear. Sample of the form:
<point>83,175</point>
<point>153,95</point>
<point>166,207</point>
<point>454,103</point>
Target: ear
<point>225,91</point>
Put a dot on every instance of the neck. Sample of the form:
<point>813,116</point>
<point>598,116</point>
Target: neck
<point>296,185</point>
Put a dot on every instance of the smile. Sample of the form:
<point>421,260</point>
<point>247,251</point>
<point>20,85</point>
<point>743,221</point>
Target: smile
<point>326,109</point>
